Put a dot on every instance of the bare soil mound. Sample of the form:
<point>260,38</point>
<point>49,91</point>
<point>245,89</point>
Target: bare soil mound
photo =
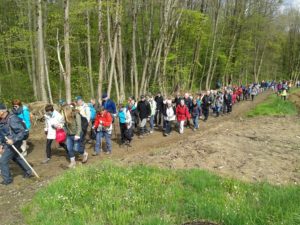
<point>256,149</point>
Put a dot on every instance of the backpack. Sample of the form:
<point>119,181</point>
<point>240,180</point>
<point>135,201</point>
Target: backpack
<point>84,123</point>
<point>26,131</point>
<point>93,111</point>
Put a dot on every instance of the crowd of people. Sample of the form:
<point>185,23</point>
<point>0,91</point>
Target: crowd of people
<point>75,124</point>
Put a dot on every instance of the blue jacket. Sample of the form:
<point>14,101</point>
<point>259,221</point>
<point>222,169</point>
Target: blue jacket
<point>24,114</point>
<point>12,128</point>
<point>122,115</point>
<point>110,106</point>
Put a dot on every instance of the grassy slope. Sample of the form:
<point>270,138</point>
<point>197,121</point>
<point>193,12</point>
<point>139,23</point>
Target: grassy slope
<point>274,106</point>
<point>108,194</point>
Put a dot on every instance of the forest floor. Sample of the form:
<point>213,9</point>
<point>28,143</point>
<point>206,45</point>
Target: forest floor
<point>249,149</point>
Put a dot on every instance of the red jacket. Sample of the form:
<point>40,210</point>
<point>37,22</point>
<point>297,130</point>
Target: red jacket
<point>182,113</point>
<point>105,119</point>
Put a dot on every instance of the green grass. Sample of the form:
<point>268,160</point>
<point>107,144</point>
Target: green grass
<point>108,194</point>
<point>273,106</point>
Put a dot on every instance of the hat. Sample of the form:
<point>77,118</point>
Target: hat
<point>77,98</point>
<point>61,101</point>
<point>3,107</point>
<point>104,95</point>
<point>142,96</point>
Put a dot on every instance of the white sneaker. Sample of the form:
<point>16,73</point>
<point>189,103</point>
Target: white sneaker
<point>72,163</point>
<point>85,157</point>
<point>24,153</point>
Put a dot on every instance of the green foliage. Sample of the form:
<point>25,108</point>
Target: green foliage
<point>274,106</point>
<point>107,194</point>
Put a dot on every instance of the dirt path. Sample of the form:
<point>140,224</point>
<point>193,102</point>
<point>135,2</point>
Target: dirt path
<point>203,149</point>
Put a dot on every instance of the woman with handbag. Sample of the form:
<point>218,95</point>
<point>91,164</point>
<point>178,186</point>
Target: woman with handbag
<point>54,123</point>
<point>74,134</point>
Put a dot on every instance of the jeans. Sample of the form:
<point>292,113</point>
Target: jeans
<point>8,154</point>
<point>152,122</point>
<point>48,147</point>
<point>218,110</point>
<point>196,122</point>
<point>73,146</point>
<point>99,136</point>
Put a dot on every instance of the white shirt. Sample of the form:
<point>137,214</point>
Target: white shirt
<point>56,120</point>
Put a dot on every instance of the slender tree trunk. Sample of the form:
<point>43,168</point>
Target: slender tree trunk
<point>47,77</point>
<point>212,56</point>
<point>89,51</point>
<point>134,63</point>
<point>41,49</point>
<point>147,57</point>
<point>101,48</point>
<point>61,66</point>
<point>120,54</point>
<point>32,49</point>
<point>67,75</point>
<point>112,51</point>
<point>260,63</point>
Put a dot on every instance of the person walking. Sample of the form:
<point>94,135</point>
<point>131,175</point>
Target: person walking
<point>22,111</point>
<point>12,133</point>
<point>206,102</point>
<point>159,109</point>
<point>144,112</point>
<point>153,108</point>
<point>182,114</point>
<point>195,114</point>
<point>169,117</point>
<point>74,133</point>
<point>53,121</point>
<point>103,128</point>
<point>125,124</point>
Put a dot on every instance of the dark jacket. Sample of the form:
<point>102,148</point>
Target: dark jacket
<point>189,104</point>
<point>143,109</point>
<point>159,103</point>
<point>177,100</point>
<point>206,102</point>
<point>228,99</point>
<point>12,128</point>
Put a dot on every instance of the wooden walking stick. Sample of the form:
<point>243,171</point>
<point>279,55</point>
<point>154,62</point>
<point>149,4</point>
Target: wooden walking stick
<point>24,160</point>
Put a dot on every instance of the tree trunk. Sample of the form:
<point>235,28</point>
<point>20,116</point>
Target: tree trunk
<point>147,57</point>
<point>47,78</point>
<point>120,55</point>
<point>112,51</point>
<point>89,53</point>
<point>101,49</point>
<point>67,75</point>
<point>212,56</point>
<point>32,49</point>
<point>134,63</point>
<point>41,49</point>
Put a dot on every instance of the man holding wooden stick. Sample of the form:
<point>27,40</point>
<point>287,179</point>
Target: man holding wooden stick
<point>12,133</point>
